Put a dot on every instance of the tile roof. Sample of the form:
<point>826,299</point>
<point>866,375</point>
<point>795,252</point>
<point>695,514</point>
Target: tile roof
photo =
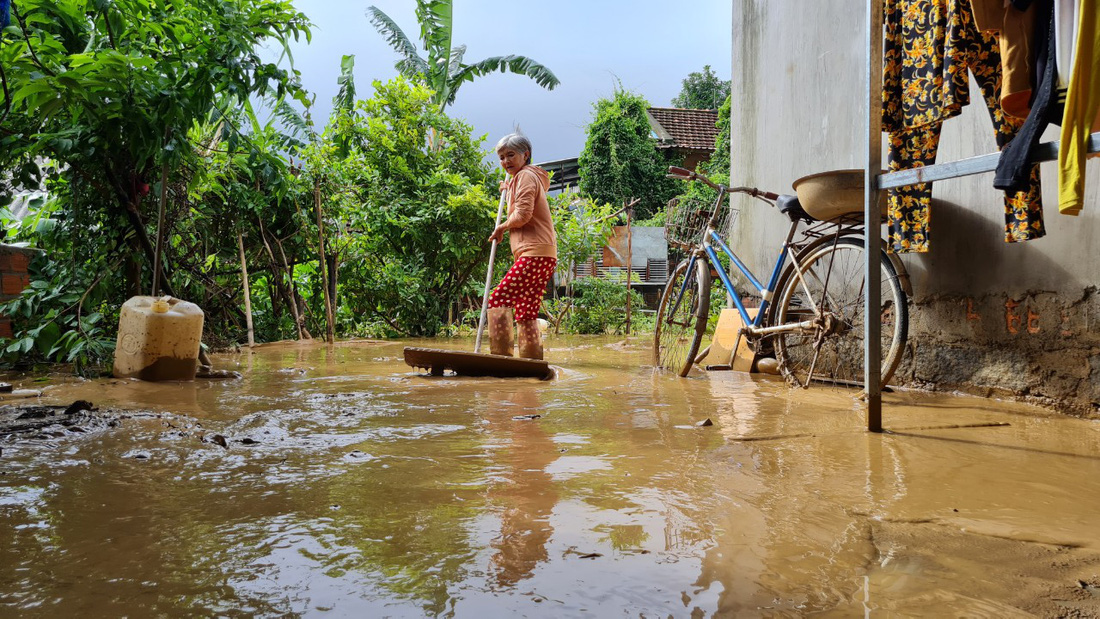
<point>682,128</point>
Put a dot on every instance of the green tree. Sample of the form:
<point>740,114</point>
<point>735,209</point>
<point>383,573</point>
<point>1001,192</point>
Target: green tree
<point>702,91</point>
<point>444,70</point>
<point>620,159</point>
<point>246,188</point>
<point>419,234</point>
<point>719,162</point>
<point>109,90</point>
<point>108,93</point>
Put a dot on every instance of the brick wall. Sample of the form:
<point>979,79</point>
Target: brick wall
<point>13,278</point>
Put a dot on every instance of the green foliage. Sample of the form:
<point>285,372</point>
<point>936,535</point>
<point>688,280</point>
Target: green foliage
<point>444,71</point>
<point>111,94</point>
<point>620,159</point>
<point>66,314</point>
<point>719,162</point>
<point>110,88</point>
<point>702,91</point>
<point>53,321</point>
<point>424,212</point>
<point>600,306</point>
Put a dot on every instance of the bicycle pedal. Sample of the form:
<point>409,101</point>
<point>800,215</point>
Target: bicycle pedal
<point>719,368</point>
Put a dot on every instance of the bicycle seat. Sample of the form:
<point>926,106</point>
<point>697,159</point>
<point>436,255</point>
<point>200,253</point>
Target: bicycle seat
<point>792,208</point>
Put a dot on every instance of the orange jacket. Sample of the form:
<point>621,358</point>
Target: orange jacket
<point>530,227</point>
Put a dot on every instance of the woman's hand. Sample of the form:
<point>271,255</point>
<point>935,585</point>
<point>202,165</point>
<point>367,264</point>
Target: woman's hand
<point>498,233</point>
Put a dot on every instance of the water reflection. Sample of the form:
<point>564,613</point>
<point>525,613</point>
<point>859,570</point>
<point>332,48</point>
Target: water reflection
<point>522,490</point>
<point>367,490</point>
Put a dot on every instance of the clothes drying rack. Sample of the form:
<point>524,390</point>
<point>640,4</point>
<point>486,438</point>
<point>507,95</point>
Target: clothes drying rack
<point>874,182</point>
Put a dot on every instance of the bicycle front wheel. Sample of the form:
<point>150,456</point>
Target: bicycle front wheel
<point>682,317</point>
<point>829,345</point>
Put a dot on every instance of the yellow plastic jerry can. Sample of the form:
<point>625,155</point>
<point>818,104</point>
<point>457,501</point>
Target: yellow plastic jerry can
<point>158,339</point>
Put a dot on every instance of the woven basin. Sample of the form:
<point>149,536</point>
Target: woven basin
<point>828,195</point>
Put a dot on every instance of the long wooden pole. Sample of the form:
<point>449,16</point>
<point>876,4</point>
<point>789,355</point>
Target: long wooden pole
<point>247,292</point>
<point>488,279</point>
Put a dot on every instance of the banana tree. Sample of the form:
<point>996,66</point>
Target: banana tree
<point>444,70</point>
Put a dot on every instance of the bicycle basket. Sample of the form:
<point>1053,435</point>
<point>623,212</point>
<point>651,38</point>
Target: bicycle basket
<point>686,221</point>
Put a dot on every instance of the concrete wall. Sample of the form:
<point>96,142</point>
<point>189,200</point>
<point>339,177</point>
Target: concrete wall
<point>987,317</point>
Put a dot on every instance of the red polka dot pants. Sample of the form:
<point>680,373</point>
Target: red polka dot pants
<point>523,286</point>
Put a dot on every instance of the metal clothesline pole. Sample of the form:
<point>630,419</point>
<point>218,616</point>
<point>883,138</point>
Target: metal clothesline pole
<point>872,221</point>
<point>875,182</point>
<point>980,164</point>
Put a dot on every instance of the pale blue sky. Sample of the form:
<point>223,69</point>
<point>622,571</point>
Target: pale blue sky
<point>649,45</point>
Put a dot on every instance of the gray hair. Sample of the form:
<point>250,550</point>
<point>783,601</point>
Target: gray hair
<point>516,141</point>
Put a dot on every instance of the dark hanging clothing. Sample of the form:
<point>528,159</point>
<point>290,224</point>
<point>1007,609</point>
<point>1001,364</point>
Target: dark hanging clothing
<point>1013,169</point>
<point>929,47</point>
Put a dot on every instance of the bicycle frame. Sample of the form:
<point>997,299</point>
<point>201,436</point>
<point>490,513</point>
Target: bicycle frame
<point>707,252</point>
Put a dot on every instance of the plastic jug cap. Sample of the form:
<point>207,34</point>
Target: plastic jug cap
<point>160,306</point>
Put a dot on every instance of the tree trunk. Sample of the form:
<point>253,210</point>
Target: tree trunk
<point>285,289</point>
<point>333,273</point>
<point>295,299</point>
<point>247,293</point>
<point>133,274</point>
<point>323,264</point>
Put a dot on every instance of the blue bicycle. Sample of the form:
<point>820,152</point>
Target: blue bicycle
<point>810,313</point>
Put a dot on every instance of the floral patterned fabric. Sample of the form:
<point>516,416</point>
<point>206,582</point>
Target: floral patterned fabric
<point>523,286</point>
<point>929,46</point>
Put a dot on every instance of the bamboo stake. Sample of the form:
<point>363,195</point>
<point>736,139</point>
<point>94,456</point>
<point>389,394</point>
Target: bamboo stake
<point>247,293</point>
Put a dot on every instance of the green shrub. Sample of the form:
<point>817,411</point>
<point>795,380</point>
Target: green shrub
<point>600,306</point>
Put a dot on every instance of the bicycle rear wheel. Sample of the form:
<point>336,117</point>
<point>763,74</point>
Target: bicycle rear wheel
<point>833,346</point>
<point>682,317</point>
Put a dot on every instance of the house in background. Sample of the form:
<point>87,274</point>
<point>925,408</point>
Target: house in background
<point>647,251</point>
<point>687,134</point>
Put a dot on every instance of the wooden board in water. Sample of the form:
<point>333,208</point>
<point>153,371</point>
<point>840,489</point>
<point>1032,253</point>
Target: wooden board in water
<point>476,364</point>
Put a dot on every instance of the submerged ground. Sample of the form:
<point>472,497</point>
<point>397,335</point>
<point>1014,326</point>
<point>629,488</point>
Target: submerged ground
<point>339,482</point>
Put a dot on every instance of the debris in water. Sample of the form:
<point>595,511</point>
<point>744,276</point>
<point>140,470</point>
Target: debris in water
<point>704,423</point>
<point>36,413</point>
<point>217,439</point>
<point>591,555</point>
<point>79,406</point>
<point>527,417</point>
<point>209,372</point>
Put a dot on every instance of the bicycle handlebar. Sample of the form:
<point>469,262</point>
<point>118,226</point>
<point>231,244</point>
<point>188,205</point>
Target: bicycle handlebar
<point>685,174</point>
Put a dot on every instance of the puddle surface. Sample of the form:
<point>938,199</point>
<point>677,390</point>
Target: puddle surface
<point>351,486</point>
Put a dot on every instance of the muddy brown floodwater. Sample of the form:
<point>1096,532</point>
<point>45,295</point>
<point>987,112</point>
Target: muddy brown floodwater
<point>350,486</point>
